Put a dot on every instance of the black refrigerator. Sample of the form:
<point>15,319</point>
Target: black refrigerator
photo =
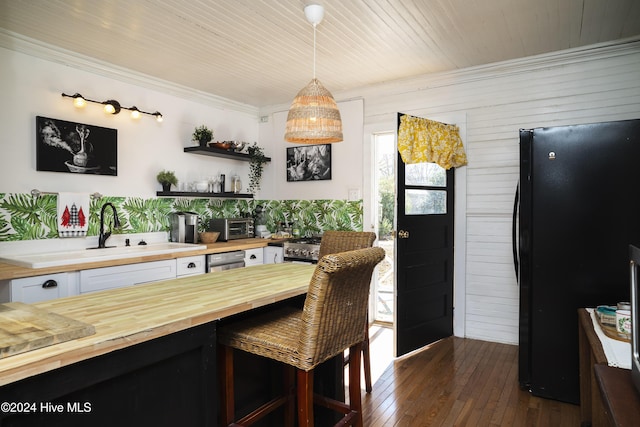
<point>579,209</point>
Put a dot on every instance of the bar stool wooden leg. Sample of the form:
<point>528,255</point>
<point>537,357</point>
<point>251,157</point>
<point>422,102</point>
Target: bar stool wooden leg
<point>366,359</point>
<point>355,401</point>
<point>289,391</point>
<point>305,398</point>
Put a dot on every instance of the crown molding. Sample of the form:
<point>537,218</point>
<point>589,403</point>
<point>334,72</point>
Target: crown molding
<point>528,64</point>
<point>26,45</point>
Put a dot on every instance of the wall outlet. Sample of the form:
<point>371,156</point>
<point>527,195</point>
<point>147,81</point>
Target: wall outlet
<point>354,194</point>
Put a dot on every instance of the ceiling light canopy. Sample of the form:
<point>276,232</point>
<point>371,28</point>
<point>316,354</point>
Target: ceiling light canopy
<point>314,117</point>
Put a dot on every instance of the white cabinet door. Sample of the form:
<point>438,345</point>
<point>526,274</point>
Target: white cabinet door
<point>253,257</point>
<point>42,288</point>
<point>99,279</point>
<point>273,254</point>
<point>191,265</point>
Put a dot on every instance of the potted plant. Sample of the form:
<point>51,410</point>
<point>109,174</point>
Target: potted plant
<point>257,159</point>
<point>202,135</point>
<point>166,179</point>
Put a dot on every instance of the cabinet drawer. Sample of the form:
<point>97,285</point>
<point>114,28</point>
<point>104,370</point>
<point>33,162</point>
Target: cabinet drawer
<point>191,265</point>
<point>99,279</point>
<point>253,257</point>
<point>41,288</point>
<point>273,254</point>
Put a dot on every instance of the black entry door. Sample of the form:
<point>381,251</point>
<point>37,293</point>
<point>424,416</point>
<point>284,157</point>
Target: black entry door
<point>424,260</point>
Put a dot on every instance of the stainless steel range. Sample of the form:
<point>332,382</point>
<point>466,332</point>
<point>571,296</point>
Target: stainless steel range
<point>304,249</point>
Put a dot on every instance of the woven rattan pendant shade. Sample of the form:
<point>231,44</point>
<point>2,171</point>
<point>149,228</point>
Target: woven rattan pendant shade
<point>314,117</point>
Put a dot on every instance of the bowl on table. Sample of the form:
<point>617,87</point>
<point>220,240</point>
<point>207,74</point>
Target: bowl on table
<point>220,145</point>
<point>209,236</point>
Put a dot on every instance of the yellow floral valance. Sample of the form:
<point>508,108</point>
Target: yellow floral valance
<point>426,141</point>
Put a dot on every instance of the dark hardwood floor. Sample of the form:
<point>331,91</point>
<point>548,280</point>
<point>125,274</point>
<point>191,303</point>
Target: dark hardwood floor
<point>459,382</point>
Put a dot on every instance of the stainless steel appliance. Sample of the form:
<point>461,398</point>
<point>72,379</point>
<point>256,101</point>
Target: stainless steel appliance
<point>184,227</point>
<point>578,215</point>
<point>232,228</point>
<point>304,249</point>
<point>225,261</point>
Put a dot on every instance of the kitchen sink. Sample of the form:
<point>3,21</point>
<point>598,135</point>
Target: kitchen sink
<point>54,259</point>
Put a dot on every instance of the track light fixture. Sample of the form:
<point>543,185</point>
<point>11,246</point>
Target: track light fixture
<point>111,106</point>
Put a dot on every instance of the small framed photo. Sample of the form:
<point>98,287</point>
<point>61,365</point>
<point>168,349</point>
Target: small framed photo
<point>71,147</point>
<point>309,163</point>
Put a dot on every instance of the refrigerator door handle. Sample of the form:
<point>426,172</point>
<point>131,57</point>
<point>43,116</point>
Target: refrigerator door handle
<point>514,230</point>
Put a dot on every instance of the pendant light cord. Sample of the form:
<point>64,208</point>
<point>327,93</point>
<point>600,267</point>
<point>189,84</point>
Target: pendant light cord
<point>314,50</point>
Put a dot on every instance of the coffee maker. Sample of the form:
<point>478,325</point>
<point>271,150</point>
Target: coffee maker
<point>184,227</point>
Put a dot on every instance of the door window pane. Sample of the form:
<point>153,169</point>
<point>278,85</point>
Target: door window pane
<point>429,174</point>
<point>425,202</point>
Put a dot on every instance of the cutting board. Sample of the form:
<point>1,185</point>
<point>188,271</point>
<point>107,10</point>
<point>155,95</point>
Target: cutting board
<point>24,328</point>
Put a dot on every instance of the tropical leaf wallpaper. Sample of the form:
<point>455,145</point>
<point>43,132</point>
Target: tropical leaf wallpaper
<point>24,217</point>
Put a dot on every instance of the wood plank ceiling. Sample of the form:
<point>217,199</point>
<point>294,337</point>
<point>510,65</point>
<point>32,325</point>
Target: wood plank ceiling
<point>260,52</point>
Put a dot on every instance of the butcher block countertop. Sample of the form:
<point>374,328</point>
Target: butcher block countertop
<point>127,316</point>
<point>10,271</point>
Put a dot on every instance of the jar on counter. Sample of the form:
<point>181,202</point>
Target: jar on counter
<point>623,319</point>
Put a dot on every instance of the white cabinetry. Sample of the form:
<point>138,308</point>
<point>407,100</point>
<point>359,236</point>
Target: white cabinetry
<point>253,257</point>
<point>99,279</point>
<point>42,288</point>
<point>273,254</point>
<point>191,265</point>
<point>51,286</point>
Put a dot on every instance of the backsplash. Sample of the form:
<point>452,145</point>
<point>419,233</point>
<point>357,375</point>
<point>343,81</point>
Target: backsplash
<point>24,217</point>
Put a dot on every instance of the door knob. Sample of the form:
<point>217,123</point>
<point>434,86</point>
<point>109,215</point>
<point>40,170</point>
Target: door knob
<point>403,234</point>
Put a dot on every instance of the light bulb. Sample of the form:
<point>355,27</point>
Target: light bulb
<point>79,101</point>
<point>158,117</point>
<point>135,113</point>
<point>111,106</point>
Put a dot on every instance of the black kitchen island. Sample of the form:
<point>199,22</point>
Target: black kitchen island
<point>152,360</point>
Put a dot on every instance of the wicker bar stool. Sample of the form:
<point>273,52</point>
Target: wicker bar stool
<point>340,241</point>
<point>329,323</point>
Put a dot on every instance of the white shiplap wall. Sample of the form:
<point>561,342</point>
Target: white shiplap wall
<point>601,83</point>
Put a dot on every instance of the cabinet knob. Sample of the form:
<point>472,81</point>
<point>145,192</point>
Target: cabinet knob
<point>252,257</point>
<point>191,265</point>
<point>50,284</point>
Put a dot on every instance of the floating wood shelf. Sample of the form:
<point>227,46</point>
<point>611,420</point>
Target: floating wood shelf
<point>217,152</point>
<point>226,195</point>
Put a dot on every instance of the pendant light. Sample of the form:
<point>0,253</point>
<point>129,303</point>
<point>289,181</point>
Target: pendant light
<point>314,117</point>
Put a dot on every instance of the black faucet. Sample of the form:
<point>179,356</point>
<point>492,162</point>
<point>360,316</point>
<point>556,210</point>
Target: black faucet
<point>102,238</point>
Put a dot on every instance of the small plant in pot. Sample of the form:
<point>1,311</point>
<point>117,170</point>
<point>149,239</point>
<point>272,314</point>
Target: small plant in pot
<point>202,135</point>
<point>167,179</point>
<point>257,159</point>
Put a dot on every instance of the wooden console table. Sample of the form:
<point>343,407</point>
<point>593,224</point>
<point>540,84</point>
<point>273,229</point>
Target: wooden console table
<point>591,354</point>
<point>620,398</point>
<point>607,397</point>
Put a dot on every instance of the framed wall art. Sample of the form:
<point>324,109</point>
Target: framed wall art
<point>309,163</point>
<point>71,147</point>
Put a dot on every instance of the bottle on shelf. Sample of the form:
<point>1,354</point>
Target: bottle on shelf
<point>222,183</point>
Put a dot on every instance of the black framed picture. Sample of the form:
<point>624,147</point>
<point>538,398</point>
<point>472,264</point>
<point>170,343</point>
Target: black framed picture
<point>309,163</point>
<point>71,147</point>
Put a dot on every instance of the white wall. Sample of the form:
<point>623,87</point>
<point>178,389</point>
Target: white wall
<point>597,83</point>
<point>32,86</point>
<point>346,159</point>
<point>592,84</point>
